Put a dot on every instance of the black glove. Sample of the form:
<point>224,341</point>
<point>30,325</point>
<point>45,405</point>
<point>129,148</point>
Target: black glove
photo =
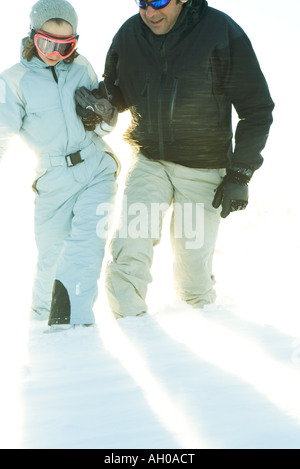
<point>89,101</point>
<point>88,118</point>
<point>232,193</point>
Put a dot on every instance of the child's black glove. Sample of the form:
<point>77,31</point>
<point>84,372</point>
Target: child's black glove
<point>89,101</point>
<point>88,118</point>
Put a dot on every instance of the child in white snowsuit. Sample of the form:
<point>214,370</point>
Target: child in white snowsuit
<point>76,170</point>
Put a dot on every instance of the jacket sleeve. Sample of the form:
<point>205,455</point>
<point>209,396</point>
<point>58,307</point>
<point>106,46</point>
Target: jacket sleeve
<point>11,114</point>
<point>247,90</point>
<point>110,83</point>
<point>82,61</point>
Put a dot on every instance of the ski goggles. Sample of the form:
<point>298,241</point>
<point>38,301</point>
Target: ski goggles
<point>156,5</point>
<point>48,44</point>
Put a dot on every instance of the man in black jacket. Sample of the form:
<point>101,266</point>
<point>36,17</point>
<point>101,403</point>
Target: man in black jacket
<point>179,66</point>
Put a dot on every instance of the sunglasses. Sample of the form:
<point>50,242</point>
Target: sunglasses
<point>48,44</point>
<point>156,5</point>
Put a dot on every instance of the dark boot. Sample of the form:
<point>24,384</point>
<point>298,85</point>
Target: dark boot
<point>60,312</point>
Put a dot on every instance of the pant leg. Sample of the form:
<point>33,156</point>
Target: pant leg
<point>79,267</point>
<point>147,196</point>
<point>194,230</point>
<point>53,218</point>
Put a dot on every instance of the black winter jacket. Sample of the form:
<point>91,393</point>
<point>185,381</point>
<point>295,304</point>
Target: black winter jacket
<point>180,88</point>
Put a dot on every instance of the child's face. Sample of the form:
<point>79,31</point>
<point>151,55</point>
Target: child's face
<point>63,29</point>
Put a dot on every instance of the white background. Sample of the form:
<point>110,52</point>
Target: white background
<point>226,378</point>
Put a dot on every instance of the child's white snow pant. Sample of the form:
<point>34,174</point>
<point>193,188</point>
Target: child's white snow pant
<point>151,187</point>
<point>70,204</point>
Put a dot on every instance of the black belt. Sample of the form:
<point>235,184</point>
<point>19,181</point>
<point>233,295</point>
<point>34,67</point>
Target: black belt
<point>73,159</point>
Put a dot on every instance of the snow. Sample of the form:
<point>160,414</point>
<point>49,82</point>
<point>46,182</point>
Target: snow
<point>226,376</point>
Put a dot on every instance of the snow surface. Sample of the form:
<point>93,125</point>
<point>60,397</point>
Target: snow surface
<point>223,377</point>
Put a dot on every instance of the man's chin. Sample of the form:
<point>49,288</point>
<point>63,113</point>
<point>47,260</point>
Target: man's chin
<point>157,27</point>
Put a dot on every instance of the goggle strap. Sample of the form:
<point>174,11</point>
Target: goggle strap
<point>33,32</point>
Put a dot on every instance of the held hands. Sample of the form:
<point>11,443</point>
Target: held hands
<point>94,110</point>
<point>232,193</point>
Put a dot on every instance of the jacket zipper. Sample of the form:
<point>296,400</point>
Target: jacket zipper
<point>54,74</point>
<point>160,94</point>
<point>56,80</point>
<point>147,90</point>
<point>172,107</point>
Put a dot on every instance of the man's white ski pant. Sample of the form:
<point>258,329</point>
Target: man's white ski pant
<point>151,187</point>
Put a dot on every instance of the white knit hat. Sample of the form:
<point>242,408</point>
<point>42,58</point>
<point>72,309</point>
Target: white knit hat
<point>45,10</point>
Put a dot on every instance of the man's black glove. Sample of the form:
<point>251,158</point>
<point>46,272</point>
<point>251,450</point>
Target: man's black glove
<point>232,193</point>
<point>101,107</point>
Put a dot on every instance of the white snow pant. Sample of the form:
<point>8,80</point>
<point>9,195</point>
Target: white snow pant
<point>151,187</point>
<point>70,246</point>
